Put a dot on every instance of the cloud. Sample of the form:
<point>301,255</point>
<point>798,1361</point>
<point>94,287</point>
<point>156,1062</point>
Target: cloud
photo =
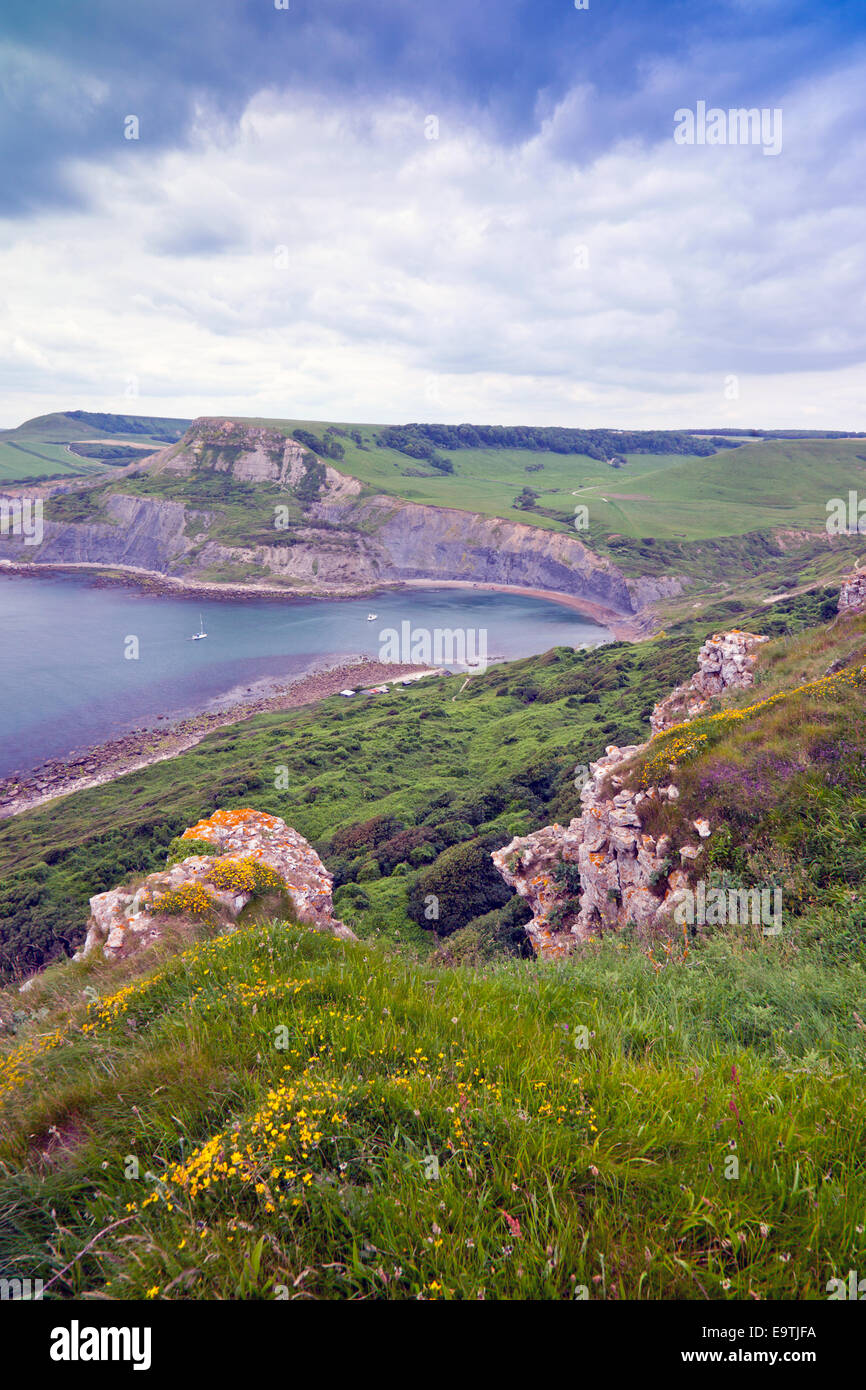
<point>323,258</point>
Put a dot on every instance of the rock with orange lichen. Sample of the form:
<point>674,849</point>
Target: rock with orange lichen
<point>595,874</point>
<point>254,854</point>
<point>852,595</point>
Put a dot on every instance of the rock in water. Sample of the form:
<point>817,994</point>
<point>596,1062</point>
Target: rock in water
<point>253,852</point>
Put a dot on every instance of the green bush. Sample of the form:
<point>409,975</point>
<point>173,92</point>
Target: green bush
<point>181,849</point>
<point>465,884</point>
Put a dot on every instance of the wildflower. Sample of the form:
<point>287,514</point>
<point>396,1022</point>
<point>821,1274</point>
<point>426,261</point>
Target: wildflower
<point>513,1224</point>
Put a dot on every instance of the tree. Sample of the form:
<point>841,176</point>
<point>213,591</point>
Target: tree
<point>526,499</point>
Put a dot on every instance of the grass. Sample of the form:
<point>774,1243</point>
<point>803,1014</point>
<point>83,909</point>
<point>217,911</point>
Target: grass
<point>39,448</point>
<point>274,1114</point>
<point>674,500</point>
<point>271,1113</point>
<point>756,487</point>
<point>779,772</point>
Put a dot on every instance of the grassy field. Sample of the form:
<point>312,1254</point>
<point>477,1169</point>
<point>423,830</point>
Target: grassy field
<point>40,448</point>
<point>758,486</point>
<point>273,1114</point>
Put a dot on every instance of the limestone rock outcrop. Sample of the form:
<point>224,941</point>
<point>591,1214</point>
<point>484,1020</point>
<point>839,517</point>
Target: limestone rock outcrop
<point>725,662</point>
<point>618,864</point>
<point>603,871</point>
<point>253,853</point>
<point>251,453</point>
<point>852,596</point>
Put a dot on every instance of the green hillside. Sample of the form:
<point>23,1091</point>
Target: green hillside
<point>76,443</point>
<point>427,1127</point>
<point>669,496</point>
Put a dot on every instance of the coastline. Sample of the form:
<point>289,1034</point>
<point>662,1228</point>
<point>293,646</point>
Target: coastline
<point>625,627</point>
<point>142,748</point>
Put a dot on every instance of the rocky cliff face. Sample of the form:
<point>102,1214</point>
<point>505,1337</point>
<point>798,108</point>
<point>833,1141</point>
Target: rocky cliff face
<point>410,541</point>
<point>852,596</point>
<point>251,453</point>
<point>347,544</point>
<point>603,872</point>
<point>725,661</point>
<point>254,855</point>
<point>143,533</point>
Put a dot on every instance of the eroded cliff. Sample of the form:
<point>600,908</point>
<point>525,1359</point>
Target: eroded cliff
<point>337,541</point>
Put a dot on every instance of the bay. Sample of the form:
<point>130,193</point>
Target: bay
<point>66,683</point>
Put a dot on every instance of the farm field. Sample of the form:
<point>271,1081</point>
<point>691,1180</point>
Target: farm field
<point>759,485</point>
<point>40,447</point>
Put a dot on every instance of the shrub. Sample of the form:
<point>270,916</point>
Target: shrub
<point>246,875</point>
<point>402,846</point>
<point>568,875</point>
<point>496,934</point>
<point>465,884</point>
<point>189,900</point>
<point>369,871</point>
<point>181,849</point>
<point>365,834</point>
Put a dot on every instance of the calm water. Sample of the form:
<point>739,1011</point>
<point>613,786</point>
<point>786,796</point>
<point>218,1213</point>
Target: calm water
<point>65,684</point>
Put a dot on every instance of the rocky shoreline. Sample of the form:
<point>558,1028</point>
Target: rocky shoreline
<point>152,582</point>
<point>142,747</point>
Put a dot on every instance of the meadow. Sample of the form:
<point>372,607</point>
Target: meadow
<point>39,448</point>
<point>274,1114</point>
<point>755,487</point>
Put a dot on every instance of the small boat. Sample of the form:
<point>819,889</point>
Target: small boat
<point>371,617</point>
<point>197,636</point>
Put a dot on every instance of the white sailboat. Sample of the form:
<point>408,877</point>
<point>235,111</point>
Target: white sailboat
<point>371,617</point>
<point>197,636</point>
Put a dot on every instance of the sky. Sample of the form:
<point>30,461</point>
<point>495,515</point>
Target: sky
<point>469,210</point>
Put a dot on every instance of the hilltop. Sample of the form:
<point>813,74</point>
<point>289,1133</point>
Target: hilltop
<point>76,443</point>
